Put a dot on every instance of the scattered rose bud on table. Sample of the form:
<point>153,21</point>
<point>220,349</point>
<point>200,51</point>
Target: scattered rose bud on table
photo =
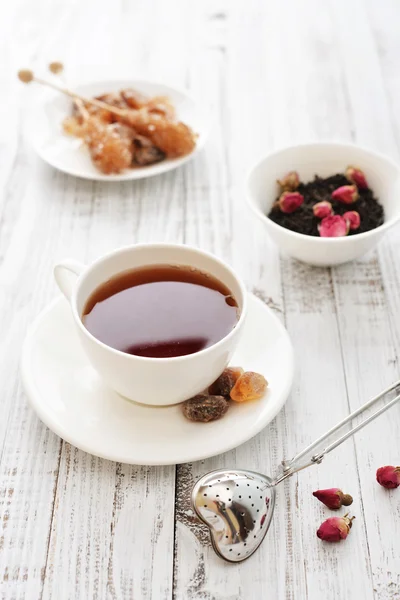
<point>322,209</point>
<point>290,182</point>
<point>353,218</point>
<point>357,177</point>
<point>333,498</point>
<point>334,226</point>
<point>335,529</point>
<point>290,201</point>
<point>388,477</point>
<point>347,194</point>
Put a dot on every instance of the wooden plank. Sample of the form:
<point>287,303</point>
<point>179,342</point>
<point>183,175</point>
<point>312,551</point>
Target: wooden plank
<point>29,452</point>
<point>218,220</point>
<point>378,344</point>
<point>80,545</point>
<point>302,570</point>
<point>89,543</point>
<point>321,401</point>
<point>123,545</point>
<point>285,563</point>
<point>370,360</point>
<point>367,347</point>
<point>365,300</point>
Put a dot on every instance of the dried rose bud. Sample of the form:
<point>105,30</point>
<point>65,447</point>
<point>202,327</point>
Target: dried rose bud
<point>290,201</point>
<point>322,209</point>
<point>355,175</point>
<point>347,194</point>
<point>334,226</point>
<point>388,477</point>
<point>353,218</point>
<point>335,529</point>
<point>290,182</point>
<point>333,498</point>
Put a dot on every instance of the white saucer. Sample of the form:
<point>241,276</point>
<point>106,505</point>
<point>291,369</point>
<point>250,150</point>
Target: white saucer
<point>71,399</point>
<point>67,153</point>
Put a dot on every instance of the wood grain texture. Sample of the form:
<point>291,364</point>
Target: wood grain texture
<point>74,526</point>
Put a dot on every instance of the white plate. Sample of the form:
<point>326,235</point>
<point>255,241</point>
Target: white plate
<point>71,399</point>
<point>67,153</point>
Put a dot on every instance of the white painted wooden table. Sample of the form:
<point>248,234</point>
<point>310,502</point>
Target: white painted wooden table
<point>74,526</point>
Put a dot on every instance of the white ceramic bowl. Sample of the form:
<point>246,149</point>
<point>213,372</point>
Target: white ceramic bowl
<point>156,381</point>
<point>324,159</point>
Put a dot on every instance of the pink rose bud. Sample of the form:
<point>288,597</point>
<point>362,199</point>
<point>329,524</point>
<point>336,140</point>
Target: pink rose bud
<point>334,226</point>
<point>290,201</point>
<point>347,194</point>
<point>333,498</point>
<point>356,176</point>
<point>388,477</point>
<point>335,529</point>
<point>353,218</point>
<point>322,209</point>
<point>290,182</point>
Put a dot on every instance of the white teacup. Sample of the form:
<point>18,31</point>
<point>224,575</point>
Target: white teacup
<point>155,381</point>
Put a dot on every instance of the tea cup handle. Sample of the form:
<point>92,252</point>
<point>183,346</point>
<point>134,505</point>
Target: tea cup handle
<point>65,274</point>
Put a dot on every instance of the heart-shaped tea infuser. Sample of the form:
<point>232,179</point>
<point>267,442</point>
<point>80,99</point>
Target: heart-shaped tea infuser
<point>238,505</point>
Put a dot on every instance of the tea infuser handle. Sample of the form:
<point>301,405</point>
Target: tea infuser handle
<point>66,274</point>
<point>297,463</point>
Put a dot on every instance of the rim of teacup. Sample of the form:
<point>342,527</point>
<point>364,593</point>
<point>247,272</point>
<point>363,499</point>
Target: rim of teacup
<point>251,202</point>
<point>89,268</point>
